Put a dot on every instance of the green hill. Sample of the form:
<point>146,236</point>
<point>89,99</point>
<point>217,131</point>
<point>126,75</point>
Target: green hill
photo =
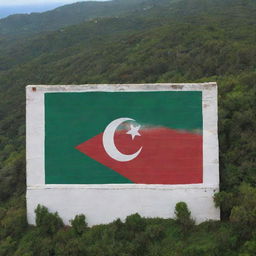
<point>170,41</point>
<point>27,24</point>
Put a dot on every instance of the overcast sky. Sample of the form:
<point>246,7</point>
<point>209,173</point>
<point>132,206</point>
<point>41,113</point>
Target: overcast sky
<point>34,2</point>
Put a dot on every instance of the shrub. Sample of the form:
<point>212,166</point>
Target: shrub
<point>14,223</point>
<point>155,232</point>
<point>7,246</point>
<point>2,212</point>
<point>79,224</point>
<point>49,223</point>
<point>183,216</point>
<point>243,215</point>
<point>135,223</point>
<point>225,200</point>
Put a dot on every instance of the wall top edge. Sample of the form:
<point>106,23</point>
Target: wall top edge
<point>123,87</point>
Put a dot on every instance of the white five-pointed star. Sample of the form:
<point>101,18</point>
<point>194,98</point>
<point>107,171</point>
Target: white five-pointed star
<point>134,131</point>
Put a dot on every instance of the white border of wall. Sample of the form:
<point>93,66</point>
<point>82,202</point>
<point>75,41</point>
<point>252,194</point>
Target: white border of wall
<point>104,203</point>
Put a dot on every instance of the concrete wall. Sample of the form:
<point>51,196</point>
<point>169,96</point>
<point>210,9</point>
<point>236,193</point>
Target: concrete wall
<point>104,203</point>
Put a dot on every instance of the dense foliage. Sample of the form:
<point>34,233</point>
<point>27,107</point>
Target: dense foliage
<point>27,24</point>
<point>169,41</point>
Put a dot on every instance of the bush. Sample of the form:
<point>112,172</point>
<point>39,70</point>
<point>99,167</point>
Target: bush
<point>7,246</point>
<point>2,212</point>
<point>249,248</point>
<point>49,223</point>
<point>135,223</point>
<point>224,200</point>
<point>183,217</point>
<point>243,215</point>
<point>14,223</point>
<point>155,232</point>
<point>33,243</point>
<point>79,224</point>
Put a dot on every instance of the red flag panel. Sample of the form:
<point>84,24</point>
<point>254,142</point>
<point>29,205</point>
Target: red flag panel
<point>167,157</point>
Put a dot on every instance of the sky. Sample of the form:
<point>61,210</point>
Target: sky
<point>36,2</point>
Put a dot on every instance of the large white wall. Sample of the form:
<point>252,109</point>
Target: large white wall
<point>107,202</point>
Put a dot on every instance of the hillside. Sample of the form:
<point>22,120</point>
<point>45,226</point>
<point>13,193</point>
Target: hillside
<point>172,41</point>
<point>27,24</point>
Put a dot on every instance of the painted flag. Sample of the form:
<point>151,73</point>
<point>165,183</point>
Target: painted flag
<point>123,137</point>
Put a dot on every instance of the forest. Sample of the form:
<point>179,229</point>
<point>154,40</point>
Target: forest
<point>153,41</point>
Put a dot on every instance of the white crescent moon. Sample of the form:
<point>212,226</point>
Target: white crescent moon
<point>109,144</point>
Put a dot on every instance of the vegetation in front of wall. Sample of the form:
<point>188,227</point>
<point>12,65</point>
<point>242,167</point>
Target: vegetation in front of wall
<point>134,236</point>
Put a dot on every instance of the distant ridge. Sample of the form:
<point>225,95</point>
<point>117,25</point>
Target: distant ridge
<point>27,24</point>
<point>6,11</point>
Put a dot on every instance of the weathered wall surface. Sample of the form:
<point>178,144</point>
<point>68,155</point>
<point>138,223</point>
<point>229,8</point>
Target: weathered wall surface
<point>103,205</point>
<point>106,202</point>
